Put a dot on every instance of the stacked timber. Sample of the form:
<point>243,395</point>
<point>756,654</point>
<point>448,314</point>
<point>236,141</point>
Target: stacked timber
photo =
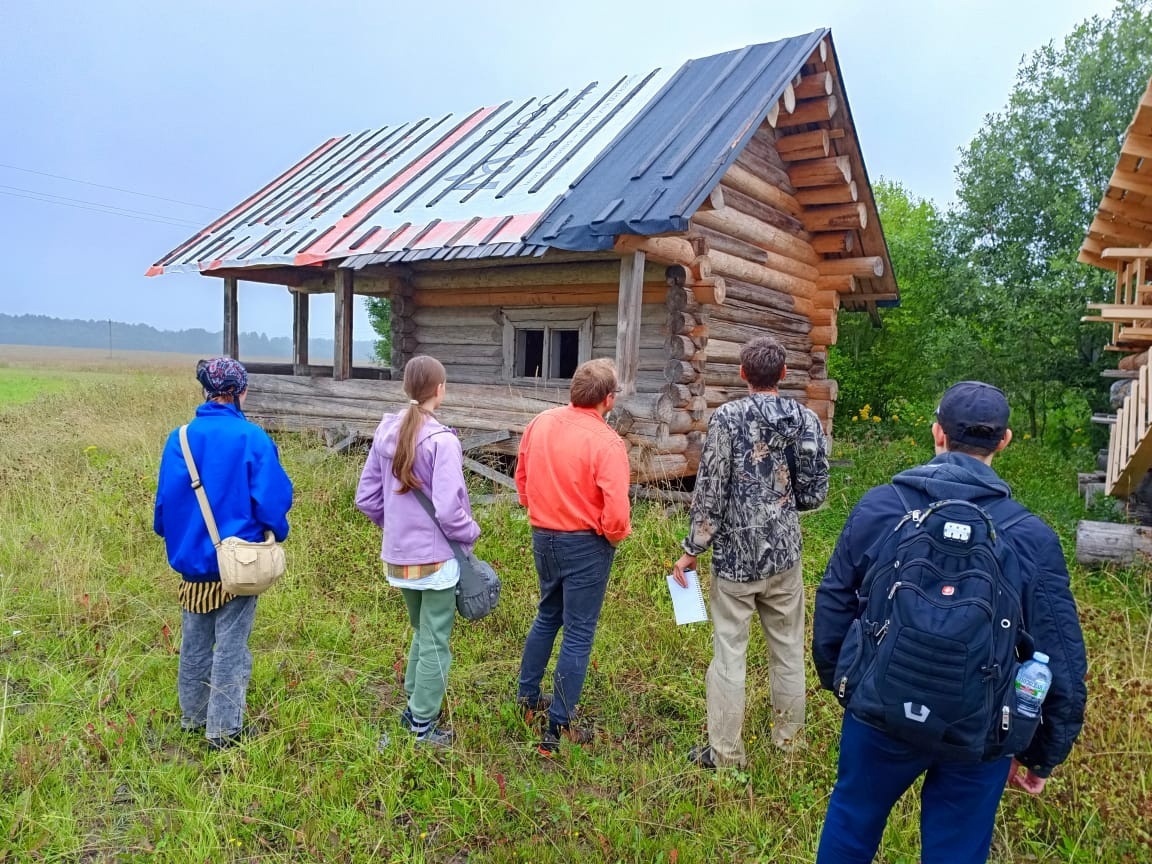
<point>296,403</point>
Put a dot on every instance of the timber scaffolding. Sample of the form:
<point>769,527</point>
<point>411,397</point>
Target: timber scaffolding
<point>1120,239</point>
<point>683,215</point>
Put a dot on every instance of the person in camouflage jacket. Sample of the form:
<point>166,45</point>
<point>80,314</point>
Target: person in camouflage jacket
<point>765,459</point>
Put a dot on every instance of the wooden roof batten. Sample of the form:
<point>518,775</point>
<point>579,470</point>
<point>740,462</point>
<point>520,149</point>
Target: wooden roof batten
<point>1119,239</point>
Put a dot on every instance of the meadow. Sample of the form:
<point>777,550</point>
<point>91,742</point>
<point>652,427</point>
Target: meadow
<point>95,768</point>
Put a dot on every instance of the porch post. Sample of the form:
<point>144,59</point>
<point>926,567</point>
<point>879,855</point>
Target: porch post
<point>300,305</point>
<point>342,351</point>
<point>628,321</point>
<point>231,327</point>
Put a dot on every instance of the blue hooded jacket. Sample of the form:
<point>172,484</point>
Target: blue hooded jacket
<point>1049,610</point>
<point>246,486</point>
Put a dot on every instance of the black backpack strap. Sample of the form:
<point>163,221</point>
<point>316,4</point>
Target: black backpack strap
<point>1021,513</point>
<point>903,501</point>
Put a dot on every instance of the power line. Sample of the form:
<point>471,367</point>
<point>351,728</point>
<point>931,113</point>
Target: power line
<point>102,204</point>
<point>100,209</point>
<point>115,188</point>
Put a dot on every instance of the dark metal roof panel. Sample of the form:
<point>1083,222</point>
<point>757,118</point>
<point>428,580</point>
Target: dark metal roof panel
<point>660,167</point>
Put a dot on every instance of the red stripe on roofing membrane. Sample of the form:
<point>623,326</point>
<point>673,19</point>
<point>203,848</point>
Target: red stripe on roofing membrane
<point>516,228</point>
<point>318,250</point>
<point>158,268</point>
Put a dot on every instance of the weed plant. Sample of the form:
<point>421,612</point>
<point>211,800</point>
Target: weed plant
<point>94,766</point>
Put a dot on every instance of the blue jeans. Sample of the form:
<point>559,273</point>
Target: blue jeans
<point>215,667</point>
<point>957,802</point>
<point>572,567</point>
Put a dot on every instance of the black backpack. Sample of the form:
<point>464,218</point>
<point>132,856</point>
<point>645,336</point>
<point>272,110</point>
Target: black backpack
<point>932,657</point>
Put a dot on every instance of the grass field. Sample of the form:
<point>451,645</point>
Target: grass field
<point>94,767</point>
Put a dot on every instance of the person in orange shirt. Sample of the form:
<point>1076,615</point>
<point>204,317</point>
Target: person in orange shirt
<point>572,475</point>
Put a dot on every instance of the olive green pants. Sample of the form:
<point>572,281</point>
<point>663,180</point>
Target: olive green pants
<point>432,614</point>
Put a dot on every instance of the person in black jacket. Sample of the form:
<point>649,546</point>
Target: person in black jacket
<point>958,799</point>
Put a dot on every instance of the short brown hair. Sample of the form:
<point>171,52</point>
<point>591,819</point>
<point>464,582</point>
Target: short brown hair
<point>592,382</point>
<point>762,360</point>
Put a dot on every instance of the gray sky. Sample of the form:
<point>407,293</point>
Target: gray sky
<point>205,102</point>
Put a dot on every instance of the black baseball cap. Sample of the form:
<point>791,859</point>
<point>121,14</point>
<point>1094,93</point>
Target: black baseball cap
<point>974,413</point>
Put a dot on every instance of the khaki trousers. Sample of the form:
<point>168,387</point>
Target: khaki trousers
<point>779,601</point>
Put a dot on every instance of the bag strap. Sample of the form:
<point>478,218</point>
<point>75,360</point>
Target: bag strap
<point>426,503</point>
<point>198,487</point>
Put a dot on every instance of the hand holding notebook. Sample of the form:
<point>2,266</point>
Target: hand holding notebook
<point>687,603</point>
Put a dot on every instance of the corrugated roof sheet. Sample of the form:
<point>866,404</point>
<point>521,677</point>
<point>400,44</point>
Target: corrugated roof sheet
<point>657,172</point>
<point>637,155</point>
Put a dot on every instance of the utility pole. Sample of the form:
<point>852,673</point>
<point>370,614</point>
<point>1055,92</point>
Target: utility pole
<point>109,337</point>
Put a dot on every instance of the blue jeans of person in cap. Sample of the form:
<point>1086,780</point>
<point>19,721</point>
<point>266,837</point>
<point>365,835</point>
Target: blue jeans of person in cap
<point>215,667</point>
<point>572,568</point>
<point>958,800</point>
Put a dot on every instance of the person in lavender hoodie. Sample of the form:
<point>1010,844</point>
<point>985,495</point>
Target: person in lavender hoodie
<point>413,450</point>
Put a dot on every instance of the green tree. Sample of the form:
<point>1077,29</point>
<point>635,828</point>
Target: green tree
<point>924,340</point>
<point>380,314</point>
<point>1028,185</point>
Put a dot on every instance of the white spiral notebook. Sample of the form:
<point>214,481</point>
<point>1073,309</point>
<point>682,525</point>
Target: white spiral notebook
<point>687,603</point>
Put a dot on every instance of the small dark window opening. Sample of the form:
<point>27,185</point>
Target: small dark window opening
<point>530,353</point>
<point>565,353</point>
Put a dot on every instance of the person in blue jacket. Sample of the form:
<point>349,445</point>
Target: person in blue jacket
<point>249,493</point>
<point>958,799</point>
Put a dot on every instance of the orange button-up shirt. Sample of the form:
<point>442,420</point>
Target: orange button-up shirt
<point>572,473</point>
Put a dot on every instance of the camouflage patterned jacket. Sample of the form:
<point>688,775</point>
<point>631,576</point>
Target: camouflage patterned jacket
<point>744,506</point>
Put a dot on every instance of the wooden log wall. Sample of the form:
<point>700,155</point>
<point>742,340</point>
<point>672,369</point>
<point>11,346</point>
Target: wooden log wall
<point>458,316</point>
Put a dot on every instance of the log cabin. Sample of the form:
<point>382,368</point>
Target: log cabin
<point>661,220</point>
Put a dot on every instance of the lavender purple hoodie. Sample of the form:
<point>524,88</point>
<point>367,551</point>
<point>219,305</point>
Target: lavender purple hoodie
<point>410,537</point>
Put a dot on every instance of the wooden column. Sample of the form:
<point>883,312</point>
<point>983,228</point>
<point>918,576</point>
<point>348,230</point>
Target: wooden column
<point>342,351</point>
<point>402,325</point>
<point>300,305</point>
<point>628,321</point>
<point>231,327</point>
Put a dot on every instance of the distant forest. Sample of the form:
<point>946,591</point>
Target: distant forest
<point>117,336</point>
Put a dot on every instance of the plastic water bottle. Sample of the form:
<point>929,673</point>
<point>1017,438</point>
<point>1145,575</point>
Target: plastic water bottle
<point>1032,683</point>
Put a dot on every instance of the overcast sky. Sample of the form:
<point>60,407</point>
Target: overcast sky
<point>203,103</point>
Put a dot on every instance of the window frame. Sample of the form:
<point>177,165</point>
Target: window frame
<point>580,319</point>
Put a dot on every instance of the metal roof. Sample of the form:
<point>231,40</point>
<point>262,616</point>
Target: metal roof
<point>660,168</point>
<point>433,184</point>
<point>637,155</point>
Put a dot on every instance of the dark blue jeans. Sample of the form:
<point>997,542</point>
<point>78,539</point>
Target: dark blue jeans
<point>572,567</point>
<point>957,802</point>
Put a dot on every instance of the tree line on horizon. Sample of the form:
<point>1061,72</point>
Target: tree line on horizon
<point>44,330</point>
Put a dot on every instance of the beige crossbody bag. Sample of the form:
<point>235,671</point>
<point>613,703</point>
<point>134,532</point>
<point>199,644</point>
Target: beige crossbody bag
<point>246,568</point>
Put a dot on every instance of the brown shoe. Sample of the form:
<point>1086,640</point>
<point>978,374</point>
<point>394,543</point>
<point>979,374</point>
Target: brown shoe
<point>574,734</point>
<point>531,708</point>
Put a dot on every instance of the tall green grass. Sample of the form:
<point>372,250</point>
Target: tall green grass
<point>94,766</point>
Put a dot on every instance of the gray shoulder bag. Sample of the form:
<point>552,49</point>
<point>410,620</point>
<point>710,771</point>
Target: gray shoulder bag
<point>478,591</point>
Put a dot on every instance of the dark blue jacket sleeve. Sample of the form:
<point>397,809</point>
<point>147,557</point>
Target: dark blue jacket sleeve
<point>271,490</point>
<point>1051,618</point>
<point>836,603</point>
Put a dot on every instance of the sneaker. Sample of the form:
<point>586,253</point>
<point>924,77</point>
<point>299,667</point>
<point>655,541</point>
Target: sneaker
<point>529,708</point>
<point>702,758</point>
<point>226,742</point>
<point>574,734</point>
<point>436,736</point>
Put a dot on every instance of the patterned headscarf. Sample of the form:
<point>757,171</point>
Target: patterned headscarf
<point>222,376</point>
